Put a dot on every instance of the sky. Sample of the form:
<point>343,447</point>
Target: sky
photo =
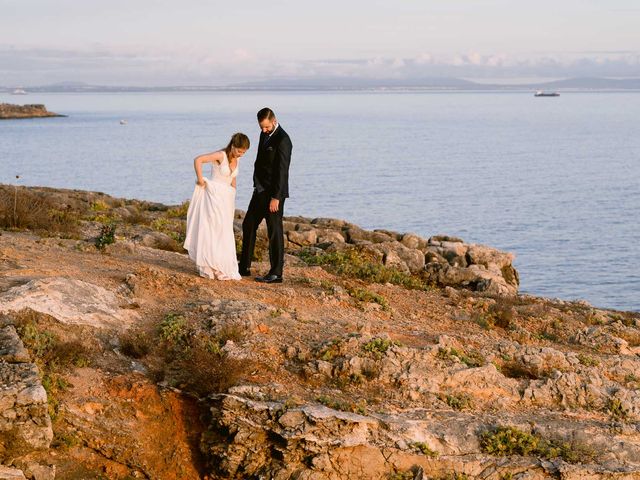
<point>209,42</point>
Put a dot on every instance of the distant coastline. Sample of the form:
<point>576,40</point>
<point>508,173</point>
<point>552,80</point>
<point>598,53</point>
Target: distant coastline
<point>355,84</point>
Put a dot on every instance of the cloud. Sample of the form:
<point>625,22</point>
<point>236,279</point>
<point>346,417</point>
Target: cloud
<point>146,66</point>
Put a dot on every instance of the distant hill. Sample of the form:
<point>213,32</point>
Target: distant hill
<point>354,83</point>
<point>593,83</point>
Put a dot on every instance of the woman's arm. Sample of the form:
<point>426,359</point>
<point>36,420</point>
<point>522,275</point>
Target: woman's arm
<point>206,158</point>
<point>233,182</point>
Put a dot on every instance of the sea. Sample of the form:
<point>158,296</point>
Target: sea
<point>554,180</point>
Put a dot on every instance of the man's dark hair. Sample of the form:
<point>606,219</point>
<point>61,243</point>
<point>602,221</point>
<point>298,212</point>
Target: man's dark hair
<point>266,113</point>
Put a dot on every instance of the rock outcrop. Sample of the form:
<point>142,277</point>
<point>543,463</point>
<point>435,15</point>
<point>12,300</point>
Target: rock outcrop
<point>154,372</point>
<point>441,260</point>
<point>25,424</point>
<point>70,301</point>
<point>9,111</point>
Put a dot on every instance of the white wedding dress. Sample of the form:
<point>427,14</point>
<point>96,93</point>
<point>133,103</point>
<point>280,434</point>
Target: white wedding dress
<point>209,239</point>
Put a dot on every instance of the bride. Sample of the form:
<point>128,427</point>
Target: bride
<point>210,239</point>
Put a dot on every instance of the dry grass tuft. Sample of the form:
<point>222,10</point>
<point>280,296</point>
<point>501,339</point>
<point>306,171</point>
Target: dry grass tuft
<point>23,209</point>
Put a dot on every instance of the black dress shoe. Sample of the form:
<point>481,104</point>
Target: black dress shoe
<point>269,279</point>
<point>245,272</point>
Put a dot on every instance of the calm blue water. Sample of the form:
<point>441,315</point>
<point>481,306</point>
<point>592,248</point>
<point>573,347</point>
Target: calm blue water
<point>554,180</point>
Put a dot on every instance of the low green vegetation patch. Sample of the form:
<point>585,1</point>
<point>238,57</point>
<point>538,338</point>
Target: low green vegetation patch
<point>616,409</point>
<point>379,346</point>
<point>472,358</point>
<point>107,236</point>
<point>424,449</point>
<point>362,295</point>
<point>357,263</point>
<point>180,211</point>
<point>512,441</point>
<point>457,401</point>
<point>52,355</point>
<point>184,353</point>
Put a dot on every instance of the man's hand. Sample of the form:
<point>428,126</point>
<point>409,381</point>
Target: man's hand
<point>274,204</point>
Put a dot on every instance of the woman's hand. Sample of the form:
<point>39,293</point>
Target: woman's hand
<point>200,182</point>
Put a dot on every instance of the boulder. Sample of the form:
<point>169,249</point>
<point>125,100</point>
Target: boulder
<point>10,473</point>
<point>396,255</point>
<point>302,238</point>
<point>70,301</point>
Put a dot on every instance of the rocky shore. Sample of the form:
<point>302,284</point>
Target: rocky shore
<point>9,111</point>
<point>384,355</point>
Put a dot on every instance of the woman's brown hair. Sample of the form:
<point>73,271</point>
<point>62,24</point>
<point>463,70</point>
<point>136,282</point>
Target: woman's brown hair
<point>238,140</point>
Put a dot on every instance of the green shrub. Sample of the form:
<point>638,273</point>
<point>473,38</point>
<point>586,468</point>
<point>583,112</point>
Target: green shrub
<point>512,441</point>
<point>378,346</point>
<point>180,211</point>
<point>99,206</point>
<point>457,401</point>
<point>616,409</point>
<point>173,329</point>
<point>588,361</point>
<point>107,236</point>
<point>509,441</point>
<point>424,449</point>
<point>365,296</point>
<point>357,263</point>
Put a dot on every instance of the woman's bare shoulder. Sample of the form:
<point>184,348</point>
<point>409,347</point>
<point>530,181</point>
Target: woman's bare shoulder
<point>210,157</point>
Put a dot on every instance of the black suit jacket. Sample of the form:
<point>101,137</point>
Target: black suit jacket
<point>271,170</point>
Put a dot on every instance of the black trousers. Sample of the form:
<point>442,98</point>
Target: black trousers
<point>257,211</point>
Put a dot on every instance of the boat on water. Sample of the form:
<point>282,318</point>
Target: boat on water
<point>19,91</point>
<point>123,122</point>
<point>540,93</point>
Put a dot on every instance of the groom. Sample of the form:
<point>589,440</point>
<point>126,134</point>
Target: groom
<point>270,189</point>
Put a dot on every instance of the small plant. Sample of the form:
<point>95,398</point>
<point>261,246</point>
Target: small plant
<point>357,263</point>
<point>331,350</point>
<point>512,441</point>
<point>276,313</point>
<point>180,211</point>
<point>587,361</point>
<point>632,381</point>
<point>424,449</point>
<point>107,236</point>
<point>472,358</point>
<point>455,476</point>
<point>363,295</point>
<point>378,346</point>
<point>173,329</point>
<point>616,409</point>
<point>499,315</point>
<point>65,440</point>
<point>509,441</point>
<point>408,475</point>
<point>202,370</point>
<point>176,229</point>
<point>457,401</point>
<point>99,206</point>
